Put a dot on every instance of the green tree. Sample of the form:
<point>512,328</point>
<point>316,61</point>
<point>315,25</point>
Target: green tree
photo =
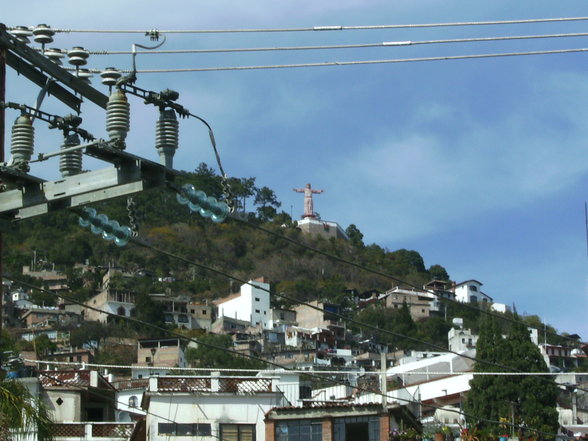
<point>44,345</point>
<point>405,327</point>
<point>214,352</point>
<point>531,399</point>
<point>437,272</point>
<point>355,236</point>
<point>21,413</point>
<point>242,189</point>
<point>87,333</point>
<point>267,202</point>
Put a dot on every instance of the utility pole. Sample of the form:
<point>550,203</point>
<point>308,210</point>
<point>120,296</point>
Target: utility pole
<point>2,125</point>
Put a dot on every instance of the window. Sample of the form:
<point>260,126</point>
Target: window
<point>237,432</point>
<point>473,288</point>
<point>473,299</point>
<point>257,310</point>
<point>133,401</point>
<point>299,431</point>
<point>204,312</point>
<point>257,299</point>
<point>184,429</point>
<point>182,319</point>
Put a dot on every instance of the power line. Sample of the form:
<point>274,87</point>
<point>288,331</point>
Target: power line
<point>340,316</point>
<point>293,371</point>
<point>352,63</point>
<point>381,273</point>
<point>138,242</point>
<point>322,28</point>
<point>97,393</point>
<point>342,46</point>
<point>181,336</point>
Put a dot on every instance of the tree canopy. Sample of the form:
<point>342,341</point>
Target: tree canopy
<point>493,398</point>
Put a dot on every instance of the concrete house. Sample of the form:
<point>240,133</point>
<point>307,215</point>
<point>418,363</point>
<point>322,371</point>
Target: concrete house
<point>215,407</point>
<point>336,422</point>
<point>250,304</point>
<point>82,403</point>
<point>418,302</point>
<point>322,315</point>
<point>110,301</point>
<point>470,291</point>
<point>156,356</point>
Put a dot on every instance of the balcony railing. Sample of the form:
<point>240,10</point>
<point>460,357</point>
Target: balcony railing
<point>237,385</point>
<point>93,430</point>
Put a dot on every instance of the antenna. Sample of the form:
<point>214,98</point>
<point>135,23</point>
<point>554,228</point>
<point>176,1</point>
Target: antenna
<point>586,219</point>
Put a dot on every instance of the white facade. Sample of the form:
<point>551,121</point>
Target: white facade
<point>128,402</point>
<point>251,305</point>
<point>460,340</point>
<point>470,291</point>
<point>500,307</point>
<point>204,407</point>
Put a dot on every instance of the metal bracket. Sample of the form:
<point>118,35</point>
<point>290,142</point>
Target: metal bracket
<point>29,196</point>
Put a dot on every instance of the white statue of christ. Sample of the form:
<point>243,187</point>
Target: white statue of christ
<point>308,206</point>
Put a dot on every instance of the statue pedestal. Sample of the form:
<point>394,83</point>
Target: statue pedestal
<point>327,229</point>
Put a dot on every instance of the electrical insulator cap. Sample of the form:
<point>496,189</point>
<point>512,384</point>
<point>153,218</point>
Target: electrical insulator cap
<point>43,34</point>
<point>84,75</point>
<point>78,56</point>
<point>54,55</point>
<point>110,76</point>
<point>22,33</point>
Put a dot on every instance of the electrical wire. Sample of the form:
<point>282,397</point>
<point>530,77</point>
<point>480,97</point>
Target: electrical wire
<point>181,336</point>
<point>309,374</point>
<point>340,316</point>
<point>293,371</point>
<point>380,273</point>
<point>97,393</point>
<point>351,63</point>
<point>341,46</point>
<point>322,28</point>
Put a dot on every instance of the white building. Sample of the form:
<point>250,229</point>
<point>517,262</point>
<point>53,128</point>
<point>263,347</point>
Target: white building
<point>250,304</point>
<point>460,340</point>
<point>470,291</point>
<point>215,407</point>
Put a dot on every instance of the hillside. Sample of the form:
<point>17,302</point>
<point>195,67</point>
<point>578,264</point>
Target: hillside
<point>237,248</point>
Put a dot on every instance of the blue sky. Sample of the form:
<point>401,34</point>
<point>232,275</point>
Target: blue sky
<point>479,165</point>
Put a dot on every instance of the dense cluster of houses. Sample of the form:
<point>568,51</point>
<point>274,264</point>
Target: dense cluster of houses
<point>327,384</point>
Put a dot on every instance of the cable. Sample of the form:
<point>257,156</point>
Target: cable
<point>138,242</point>
<point>152,326</point>
<point>347,319</point>
<point>293,371</point>
<point>324,28</point>
<point>341,46</point>
<point>95,392</point>
<point>351,63</point>
<point>377,272</point>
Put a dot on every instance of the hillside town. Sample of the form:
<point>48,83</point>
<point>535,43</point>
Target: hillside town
<point>163,304</point>
<point>321,377</point>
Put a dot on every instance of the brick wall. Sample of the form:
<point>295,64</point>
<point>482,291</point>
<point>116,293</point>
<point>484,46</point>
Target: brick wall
<point>384,426</point>
<point>328,429</point>
<point>270,431</point>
